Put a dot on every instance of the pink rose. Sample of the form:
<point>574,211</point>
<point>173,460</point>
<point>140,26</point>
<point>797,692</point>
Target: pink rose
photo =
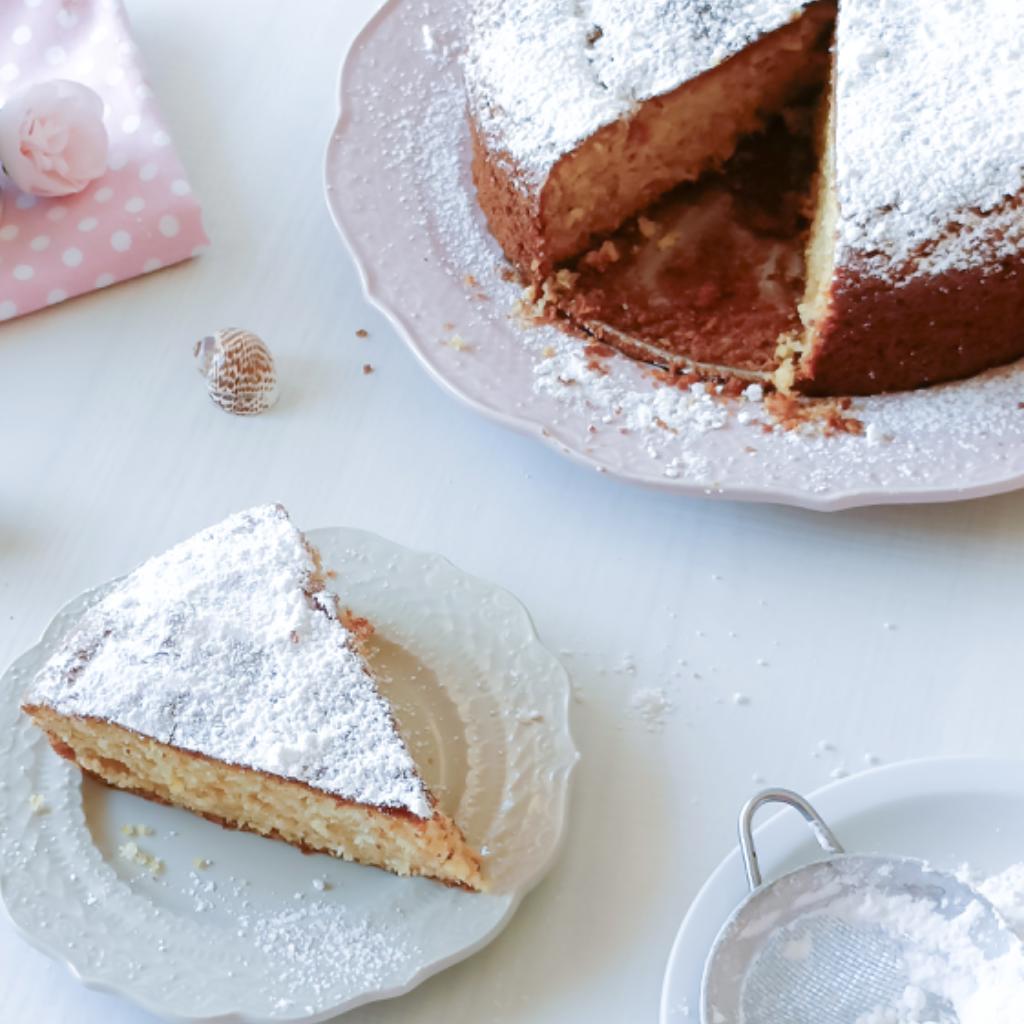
<point>52,139</point>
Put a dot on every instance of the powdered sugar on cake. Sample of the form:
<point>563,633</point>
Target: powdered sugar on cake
<point>216,648</point>
<point>930,132</point>
<point>545,74</point>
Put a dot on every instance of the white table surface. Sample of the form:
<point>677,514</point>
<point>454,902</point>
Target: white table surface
<point>110,452</point>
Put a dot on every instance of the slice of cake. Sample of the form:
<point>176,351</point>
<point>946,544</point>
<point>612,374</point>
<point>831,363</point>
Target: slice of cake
<point>222,677</point>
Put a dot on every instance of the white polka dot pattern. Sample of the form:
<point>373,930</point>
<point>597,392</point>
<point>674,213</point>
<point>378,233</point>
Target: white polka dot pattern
<point>141,215</point>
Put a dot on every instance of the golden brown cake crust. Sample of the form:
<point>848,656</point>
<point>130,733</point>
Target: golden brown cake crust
<point>511,211</point>
<point>876,337</point>
<point>90,742</point>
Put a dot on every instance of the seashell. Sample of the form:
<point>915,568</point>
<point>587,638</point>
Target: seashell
<point>239,371</point>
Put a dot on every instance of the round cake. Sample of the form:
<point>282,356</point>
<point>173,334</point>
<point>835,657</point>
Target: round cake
<point>826,197</point>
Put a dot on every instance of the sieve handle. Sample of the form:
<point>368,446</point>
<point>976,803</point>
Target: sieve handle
<point>826,840</point>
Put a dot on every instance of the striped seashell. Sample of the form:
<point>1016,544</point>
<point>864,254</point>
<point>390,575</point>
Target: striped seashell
<point>239,371</point>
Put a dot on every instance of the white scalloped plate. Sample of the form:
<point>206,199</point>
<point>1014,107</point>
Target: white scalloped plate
<point>398,186</point>
<point>265,933</point>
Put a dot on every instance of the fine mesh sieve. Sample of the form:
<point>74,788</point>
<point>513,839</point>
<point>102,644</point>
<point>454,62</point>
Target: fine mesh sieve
<point>784,957</point>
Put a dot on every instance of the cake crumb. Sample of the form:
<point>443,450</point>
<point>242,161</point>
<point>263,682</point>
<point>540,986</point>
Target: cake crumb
<point>458,343</point>
<point>132,853</point>
<point>648,228</point>
<point>136,830</point>
<point>38,804</point>
<point>362,333</point>
<point>202,863</point>
<point>666,243</point>
<point>367,368</point>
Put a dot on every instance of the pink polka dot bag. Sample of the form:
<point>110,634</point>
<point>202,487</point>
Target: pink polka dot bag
<point>140,214</point>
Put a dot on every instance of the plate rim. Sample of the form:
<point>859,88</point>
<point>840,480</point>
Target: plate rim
<point>844,797</point>
<point>566,772</point>
<point>837,500</point>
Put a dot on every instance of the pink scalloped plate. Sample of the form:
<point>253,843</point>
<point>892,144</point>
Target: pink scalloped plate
<point>399,189</point>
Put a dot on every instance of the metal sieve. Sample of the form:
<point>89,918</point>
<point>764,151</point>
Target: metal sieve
<point>784,958</point>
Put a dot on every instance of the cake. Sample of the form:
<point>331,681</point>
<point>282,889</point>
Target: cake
<point>906,265</point>
<point>223,677</point>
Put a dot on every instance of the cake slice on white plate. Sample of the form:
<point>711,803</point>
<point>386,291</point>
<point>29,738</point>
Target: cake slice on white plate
<point>224,678</point>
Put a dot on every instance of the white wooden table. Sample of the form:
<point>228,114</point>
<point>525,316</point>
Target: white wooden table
<point>886,632</point>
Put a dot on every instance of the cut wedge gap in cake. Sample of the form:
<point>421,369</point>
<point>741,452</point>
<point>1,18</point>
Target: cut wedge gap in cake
<point>709,277</point>
<point>222,677</point>
<point>675,232</point>
<point>819,256</point>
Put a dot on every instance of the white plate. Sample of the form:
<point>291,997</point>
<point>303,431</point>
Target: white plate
<point>398,186</point>
<point>948,811</point>
<point>485,709</point>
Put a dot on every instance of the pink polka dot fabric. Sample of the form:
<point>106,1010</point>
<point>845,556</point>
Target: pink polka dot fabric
<point>140,215</point>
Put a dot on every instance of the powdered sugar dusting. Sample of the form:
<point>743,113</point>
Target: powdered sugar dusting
<point>952,978</point>
<point>903,435</point>
<point>930,132</point>
<point>545,74</point>
<point>215,647</point>
<point>1005,891</point>
<point>363,954</point>
<point>652,705</point>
